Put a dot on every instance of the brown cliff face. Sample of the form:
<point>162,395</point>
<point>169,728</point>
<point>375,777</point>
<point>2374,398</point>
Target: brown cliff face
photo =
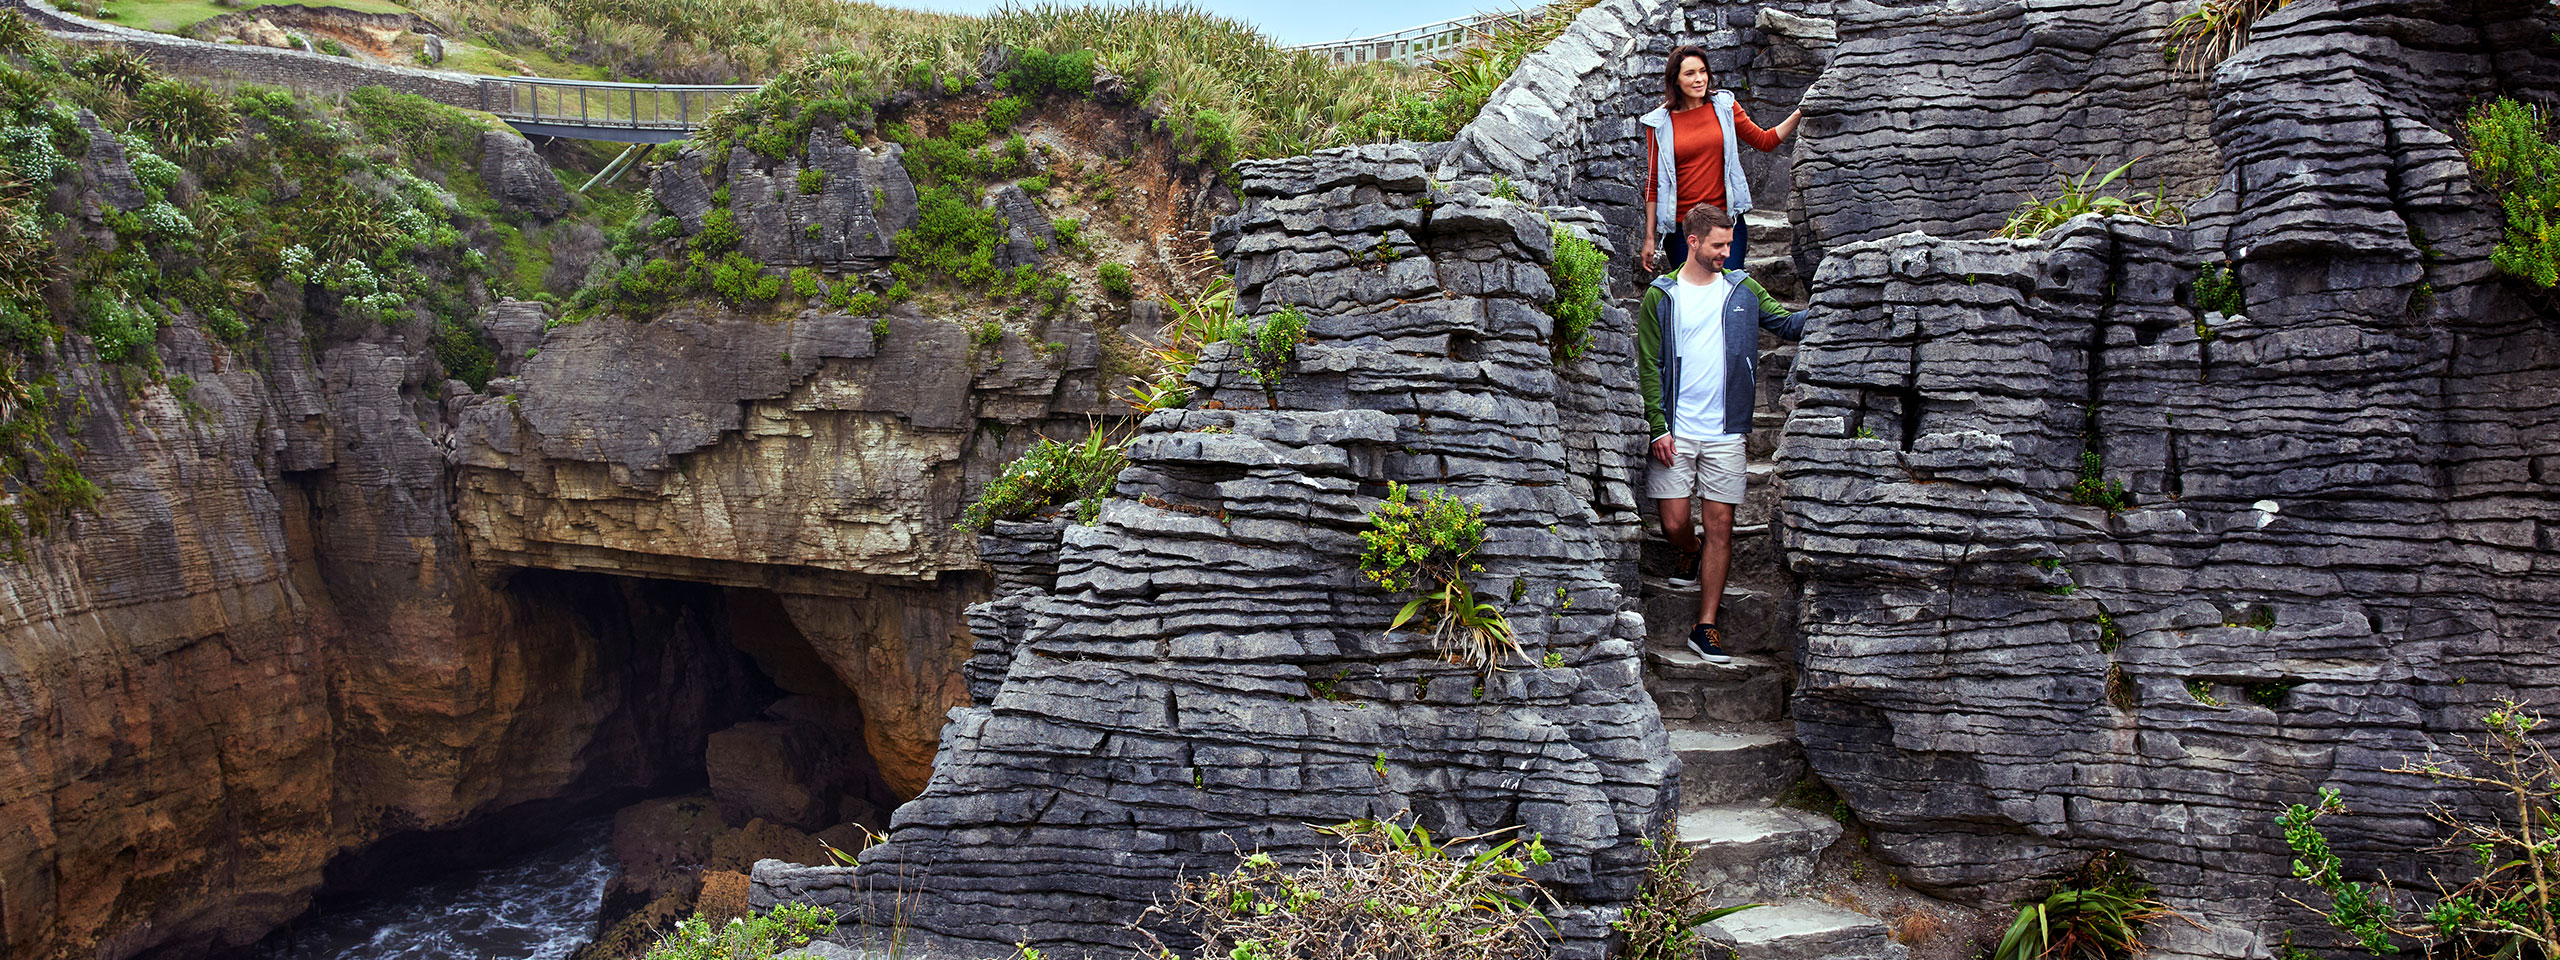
<point>266,650</point>
<point>274,646</point>
<point>807,456</point>
<point>338,618</point>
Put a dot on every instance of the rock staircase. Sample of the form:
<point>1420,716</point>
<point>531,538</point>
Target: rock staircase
<point>1738,752</point>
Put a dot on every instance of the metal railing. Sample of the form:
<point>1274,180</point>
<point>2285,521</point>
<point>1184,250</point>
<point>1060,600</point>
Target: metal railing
<point>1416,45</point>
<point>599,110</point>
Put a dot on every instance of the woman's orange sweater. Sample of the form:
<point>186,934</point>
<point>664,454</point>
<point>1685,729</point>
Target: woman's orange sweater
<point>1697,155</point>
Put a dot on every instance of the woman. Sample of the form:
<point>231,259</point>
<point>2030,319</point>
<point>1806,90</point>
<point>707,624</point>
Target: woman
<point>1704,164</point>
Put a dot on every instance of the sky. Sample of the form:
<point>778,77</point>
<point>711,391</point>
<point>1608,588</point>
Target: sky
<point>1293,21</point>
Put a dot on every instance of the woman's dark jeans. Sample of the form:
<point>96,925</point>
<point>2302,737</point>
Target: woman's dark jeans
<point>1676,249</point>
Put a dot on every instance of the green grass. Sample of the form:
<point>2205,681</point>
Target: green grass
<point>171,16</point>
<point>465,57</point>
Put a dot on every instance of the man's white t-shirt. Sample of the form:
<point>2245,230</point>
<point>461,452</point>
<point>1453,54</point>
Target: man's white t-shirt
<point>1698,404</point>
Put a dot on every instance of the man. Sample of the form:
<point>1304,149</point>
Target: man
<point>1697,357</point>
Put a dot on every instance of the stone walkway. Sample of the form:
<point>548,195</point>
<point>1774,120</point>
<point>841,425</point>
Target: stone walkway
<point>1729,722</point>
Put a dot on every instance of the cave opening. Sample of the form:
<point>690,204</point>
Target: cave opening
<point>685,730</point>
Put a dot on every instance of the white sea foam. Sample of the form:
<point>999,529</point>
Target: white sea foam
<point>538,907</point>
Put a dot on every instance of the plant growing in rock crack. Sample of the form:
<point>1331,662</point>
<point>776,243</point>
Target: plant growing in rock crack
<point>2093,489</point>
<point>1049,474</point>
<point>1267,348</point>
<point>2511,152</point>
<point>1198,320</point>
<point>2079,197</point>
<point>2217,290</point>
<point>2097,914</point>
<point>1661,923</point>
<point>2212,32</point>
<point>1427,548</point>
<point>2500,905</point>
<point>1578,271</point>
<point>1391,891</point>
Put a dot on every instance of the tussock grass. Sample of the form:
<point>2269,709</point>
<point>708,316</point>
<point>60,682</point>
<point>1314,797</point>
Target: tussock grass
<point>1215,80</point>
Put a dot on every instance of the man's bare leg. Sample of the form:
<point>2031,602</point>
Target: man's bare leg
<point>1676,524</point>
<point>1715,555</point>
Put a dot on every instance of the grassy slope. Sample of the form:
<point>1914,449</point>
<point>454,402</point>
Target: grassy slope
<point>171,16</point>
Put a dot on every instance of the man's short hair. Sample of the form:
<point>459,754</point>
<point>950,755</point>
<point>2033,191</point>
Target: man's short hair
<point>1702,218</point>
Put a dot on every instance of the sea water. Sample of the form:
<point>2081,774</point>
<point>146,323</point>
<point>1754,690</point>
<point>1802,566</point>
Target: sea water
<point>540,906</point>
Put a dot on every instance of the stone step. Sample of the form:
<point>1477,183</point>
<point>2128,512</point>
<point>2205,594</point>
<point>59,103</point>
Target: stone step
<point>1753,621</point>
<point>1685,688</point>
<point>1724,764</point>
<point>1804,930</point>
<point>1753,852</point>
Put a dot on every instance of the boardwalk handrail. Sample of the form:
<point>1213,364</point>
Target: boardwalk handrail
<point>1428,41</point>
<point>656,111</point>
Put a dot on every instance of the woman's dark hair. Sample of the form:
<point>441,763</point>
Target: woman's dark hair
<point>1671,74</point>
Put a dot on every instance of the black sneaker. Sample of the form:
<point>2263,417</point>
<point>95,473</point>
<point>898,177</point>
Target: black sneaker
<point>1685,572</point>
<point>1703,642</point>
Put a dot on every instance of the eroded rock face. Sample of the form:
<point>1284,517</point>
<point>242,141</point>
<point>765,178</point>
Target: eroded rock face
<point>863,198</point>
<point>1159,708</point>
<point>1945,122</point>
<point>519,177</point>
<point>264,652</point>
<point>807,456</point>
<point>2338,545</point>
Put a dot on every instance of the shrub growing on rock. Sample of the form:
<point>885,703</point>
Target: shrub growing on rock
<point>2080,197</point>
<point>1428,549</point>
<point>1115,281</point>
<point>2217,290</point>
<point>2212,32</point>
<point>1579,271</point>
<point>1049,474</point>
<point>2503,907</point>
<point>2512,153</point>
<point>740,280</point>
<point>2094,489</point>
<point>1392,892</point>
<point>1661,923</point>
<point>754,937</point>
<point>2097,915</point>
<point>1267,349</point>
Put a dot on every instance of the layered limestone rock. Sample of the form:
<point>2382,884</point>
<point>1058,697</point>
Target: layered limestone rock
<point>1945,121</point>
<point>2335,547</point>
<point>809,456</point>
<point>1209,672</point>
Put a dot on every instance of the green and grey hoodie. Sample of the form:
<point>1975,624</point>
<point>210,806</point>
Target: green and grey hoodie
<point>1658,351</point>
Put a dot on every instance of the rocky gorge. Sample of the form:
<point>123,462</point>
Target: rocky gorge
<point>336,611</point>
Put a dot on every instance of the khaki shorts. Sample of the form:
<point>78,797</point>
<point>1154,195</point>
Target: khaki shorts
<point>1712,469</point>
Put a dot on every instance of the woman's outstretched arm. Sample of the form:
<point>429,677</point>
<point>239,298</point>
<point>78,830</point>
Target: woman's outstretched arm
<point>1759,139</point>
